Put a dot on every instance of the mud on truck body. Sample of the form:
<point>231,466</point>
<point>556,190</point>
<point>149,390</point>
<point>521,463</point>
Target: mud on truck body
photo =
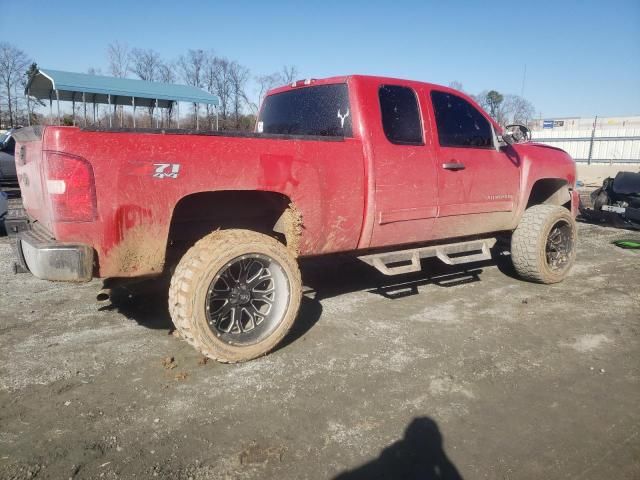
<point>389,170</point>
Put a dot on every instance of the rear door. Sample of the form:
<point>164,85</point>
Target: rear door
<point>477,183</point>
<point>323,170</point>
<point>405,185</point>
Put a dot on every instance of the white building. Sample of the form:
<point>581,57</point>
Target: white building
<point>585,123</point>
<point>594,140</point>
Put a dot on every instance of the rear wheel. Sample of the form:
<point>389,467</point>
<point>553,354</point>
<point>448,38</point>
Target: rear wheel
<point>235,294</point>
<point>543,244</point>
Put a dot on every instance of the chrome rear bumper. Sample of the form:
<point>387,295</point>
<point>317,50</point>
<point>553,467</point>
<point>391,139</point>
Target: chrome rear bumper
<point>50,260</point>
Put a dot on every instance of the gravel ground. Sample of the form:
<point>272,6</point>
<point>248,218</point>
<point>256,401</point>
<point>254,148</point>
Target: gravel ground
<point>470,373</point>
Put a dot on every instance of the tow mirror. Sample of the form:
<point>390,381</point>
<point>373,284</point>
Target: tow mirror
<point>516,133</point>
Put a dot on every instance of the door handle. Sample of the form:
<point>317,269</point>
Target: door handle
<point>453,166</point>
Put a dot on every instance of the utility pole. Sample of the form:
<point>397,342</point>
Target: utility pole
<point>593,134</point>
<point>524,78</point>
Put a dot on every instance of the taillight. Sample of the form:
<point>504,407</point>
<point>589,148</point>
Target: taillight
<point>69,182</point>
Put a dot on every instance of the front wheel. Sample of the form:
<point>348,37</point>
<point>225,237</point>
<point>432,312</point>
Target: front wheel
<point>543,246</point>
<point>235,294</point>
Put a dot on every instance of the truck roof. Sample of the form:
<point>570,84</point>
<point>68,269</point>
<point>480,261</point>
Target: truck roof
<point>368,79</point>
<point>345,78</point>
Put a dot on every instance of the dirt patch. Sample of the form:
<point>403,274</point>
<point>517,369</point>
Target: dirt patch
<point>588,343</point>
<point>293,227</point>
<point>257,454</point>
<point>181,376</point>
<point>169,363</point>
<point>519,380</point>
<point>141,251</point>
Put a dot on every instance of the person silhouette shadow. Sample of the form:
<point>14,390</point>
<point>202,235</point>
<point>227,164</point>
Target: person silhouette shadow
<point>418,456</point>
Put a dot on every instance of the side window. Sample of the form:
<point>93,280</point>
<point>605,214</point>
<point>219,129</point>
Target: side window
<point>400,115</point>
<point>459,123</point>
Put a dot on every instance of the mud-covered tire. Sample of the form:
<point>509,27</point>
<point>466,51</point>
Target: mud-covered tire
<point>530,243</point>
<point>191,286</point>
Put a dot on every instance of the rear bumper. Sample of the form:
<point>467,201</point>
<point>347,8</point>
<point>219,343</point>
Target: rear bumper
<point>48,259</point>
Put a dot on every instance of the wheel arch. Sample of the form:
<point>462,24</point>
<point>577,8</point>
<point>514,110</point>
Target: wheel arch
<point>198,214</point>
<point>550,191</point>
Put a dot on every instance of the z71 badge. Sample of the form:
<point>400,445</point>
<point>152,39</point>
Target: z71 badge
<point>166,170</point>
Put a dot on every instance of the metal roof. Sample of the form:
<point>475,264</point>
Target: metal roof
<point>97,88</point>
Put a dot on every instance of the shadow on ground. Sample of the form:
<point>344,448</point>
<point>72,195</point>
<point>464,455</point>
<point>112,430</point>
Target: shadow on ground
<point>335,275</point>
<point>606,219</point>
<point>145,301</point>
<point>418,455</point>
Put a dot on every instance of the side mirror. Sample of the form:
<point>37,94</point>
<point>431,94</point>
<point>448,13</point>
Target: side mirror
<point>516,133</point>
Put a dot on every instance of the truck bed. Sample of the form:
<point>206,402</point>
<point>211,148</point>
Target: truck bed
<point>142,175</point>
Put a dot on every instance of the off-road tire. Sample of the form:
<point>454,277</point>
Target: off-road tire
<point>193,276</point>
<point>529,243</point>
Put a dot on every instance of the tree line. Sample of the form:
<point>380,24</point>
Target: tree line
<point>238,90</point>
<point>14,70</point>
<point>229,80</point>
<point>504,108</point>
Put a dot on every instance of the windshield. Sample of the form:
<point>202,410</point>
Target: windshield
<point>322,110</point>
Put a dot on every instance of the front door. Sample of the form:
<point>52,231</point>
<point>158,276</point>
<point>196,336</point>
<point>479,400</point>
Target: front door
<point>477,184</point>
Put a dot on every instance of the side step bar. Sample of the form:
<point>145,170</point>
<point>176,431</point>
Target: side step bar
<point>451,254</point>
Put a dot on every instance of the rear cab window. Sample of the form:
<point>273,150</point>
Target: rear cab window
<point>321,110</point>
<point>400,111</point>
<point>459,123</point>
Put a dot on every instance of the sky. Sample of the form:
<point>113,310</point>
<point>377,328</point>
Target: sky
<point>582,58</point>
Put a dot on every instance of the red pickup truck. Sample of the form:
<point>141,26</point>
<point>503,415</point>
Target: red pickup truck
<point>391,170</point>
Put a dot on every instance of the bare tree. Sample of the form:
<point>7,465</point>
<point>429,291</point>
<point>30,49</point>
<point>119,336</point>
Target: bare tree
<point>145,64</point>
<point>238,76</point>
<point>167,74</point>
<point>219,70</point>
<point>492,102</point>
<point>505,109</point>
<point>191,68</point>
<point>266,83</point>
<point>209,77</point>
<point>13,64</point>
<point>517,109</point>
<point>481,99</point>
<point>289,73</point>
<point>118,54</point>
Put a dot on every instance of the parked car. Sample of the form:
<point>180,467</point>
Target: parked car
<point>617,201</point>
<point>390,170</point>
<point>7,157</point>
